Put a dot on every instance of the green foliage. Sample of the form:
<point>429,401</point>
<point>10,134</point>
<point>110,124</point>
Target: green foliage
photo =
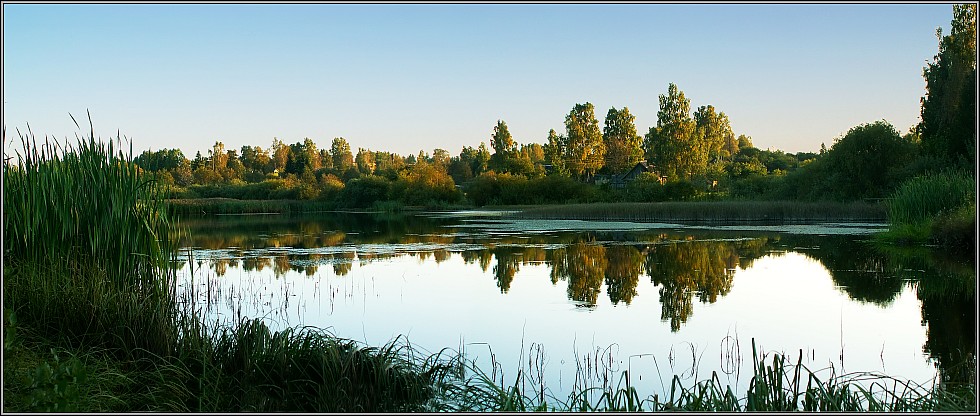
<point>624,148</point>
<point>340,151</point>
<point>937,208</point>
<point>673,145</point>
<point>56,387</point>
<point>424,184</point>
<point>363,192</point>
<point>554,153</point>
<point>584,148</point>
<point>88,203</point>
<point>921,198</point>
<point>502,142</point>
<point>506,189</point>
<point>870,161</point>
<point>949,113</point>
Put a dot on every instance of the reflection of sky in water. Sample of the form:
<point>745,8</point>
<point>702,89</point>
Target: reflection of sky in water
<point>427,292</point>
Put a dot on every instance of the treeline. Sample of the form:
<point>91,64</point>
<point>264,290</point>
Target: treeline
<point>688,157</point>
<point>685,156</point>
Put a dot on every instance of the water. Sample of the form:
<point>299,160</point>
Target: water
<point>576,303</point>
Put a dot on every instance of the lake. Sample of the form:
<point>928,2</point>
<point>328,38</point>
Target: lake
<point>575,303</point>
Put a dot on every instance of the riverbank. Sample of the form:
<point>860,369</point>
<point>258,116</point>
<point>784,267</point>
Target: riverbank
<point>714,211</point>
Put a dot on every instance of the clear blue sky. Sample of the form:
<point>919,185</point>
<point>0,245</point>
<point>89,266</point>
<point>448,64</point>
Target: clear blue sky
<point>413,77</point>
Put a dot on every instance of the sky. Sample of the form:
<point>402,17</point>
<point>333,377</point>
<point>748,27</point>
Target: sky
<point>411,77</point>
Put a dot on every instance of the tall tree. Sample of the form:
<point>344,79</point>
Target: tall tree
<point>343,159</point>
<point>218,157</point>
<point>673,143</point>
<point>504,148</point>
<point>708,124</point>
<point>280,154</point>
<point>949,112</point>
<point>584,149</point>
<point>624,148</point>
<point>554,153</point>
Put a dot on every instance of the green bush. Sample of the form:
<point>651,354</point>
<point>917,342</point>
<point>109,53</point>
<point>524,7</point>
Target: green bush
<point>364,192</point>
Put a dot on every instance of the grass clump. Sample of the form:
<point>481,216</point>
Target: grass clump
<point>924,197</point>
<point>87,247</point>
<point>935,208</point>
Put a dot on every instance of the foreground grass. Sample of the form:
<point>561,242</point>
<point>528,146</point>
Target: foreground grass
<point>776,385</point>
<point>713,211</point>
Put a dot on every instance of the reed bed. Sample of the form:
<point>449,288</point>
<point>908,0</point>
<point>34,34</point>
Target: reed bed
<point>713,211</point>
<point>87,246</point>
<point>228,206</point>
<point>924,197</point>
<point>936,208</point>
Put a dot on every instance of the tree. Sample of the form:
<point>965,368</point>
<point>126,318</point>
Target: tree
<point>863,163</point>
<point>365,161</point>
<point>280,155</point>
<point>504,147</point>
<point>501,140</point>
<point>584,149</point>
<point>440,159</point>
<point>746,142</point>
<point>673,144</point>
<point>302,157</point>
<point>949,112</point>
<point>255,159</point>
<point>624,148</point>
<point>343,159</point>
<point>482,161</point>
<point>554,153</point>
<point>218,157</point>
<point>716,132</point>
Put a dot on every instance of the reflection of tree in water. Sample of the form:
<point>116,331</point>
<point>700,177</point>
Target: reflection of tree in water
<point>256,263</point>
<point>280,265</point>
<point>342,263</point>
<point>683,269</point>
<point>508,263</point>
<point>584,266</point>
<point>220,266</point>
<point>951,329</point>
<point>482,257</point>
<point>624,266</point>
<point>863,273</point>
<point>440,255</point>
<point>947,291</point>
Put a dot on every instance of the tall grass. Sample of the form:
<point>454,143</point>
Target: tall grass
<point>87,245</point>
<point>88,203</point>
<point>924,197</point>
<point>713,211</point>
<point>935,208</point>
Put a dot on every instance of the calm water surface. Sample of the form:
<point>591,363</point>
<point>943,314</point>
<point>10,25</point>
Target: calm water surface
<point>579,302</point>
